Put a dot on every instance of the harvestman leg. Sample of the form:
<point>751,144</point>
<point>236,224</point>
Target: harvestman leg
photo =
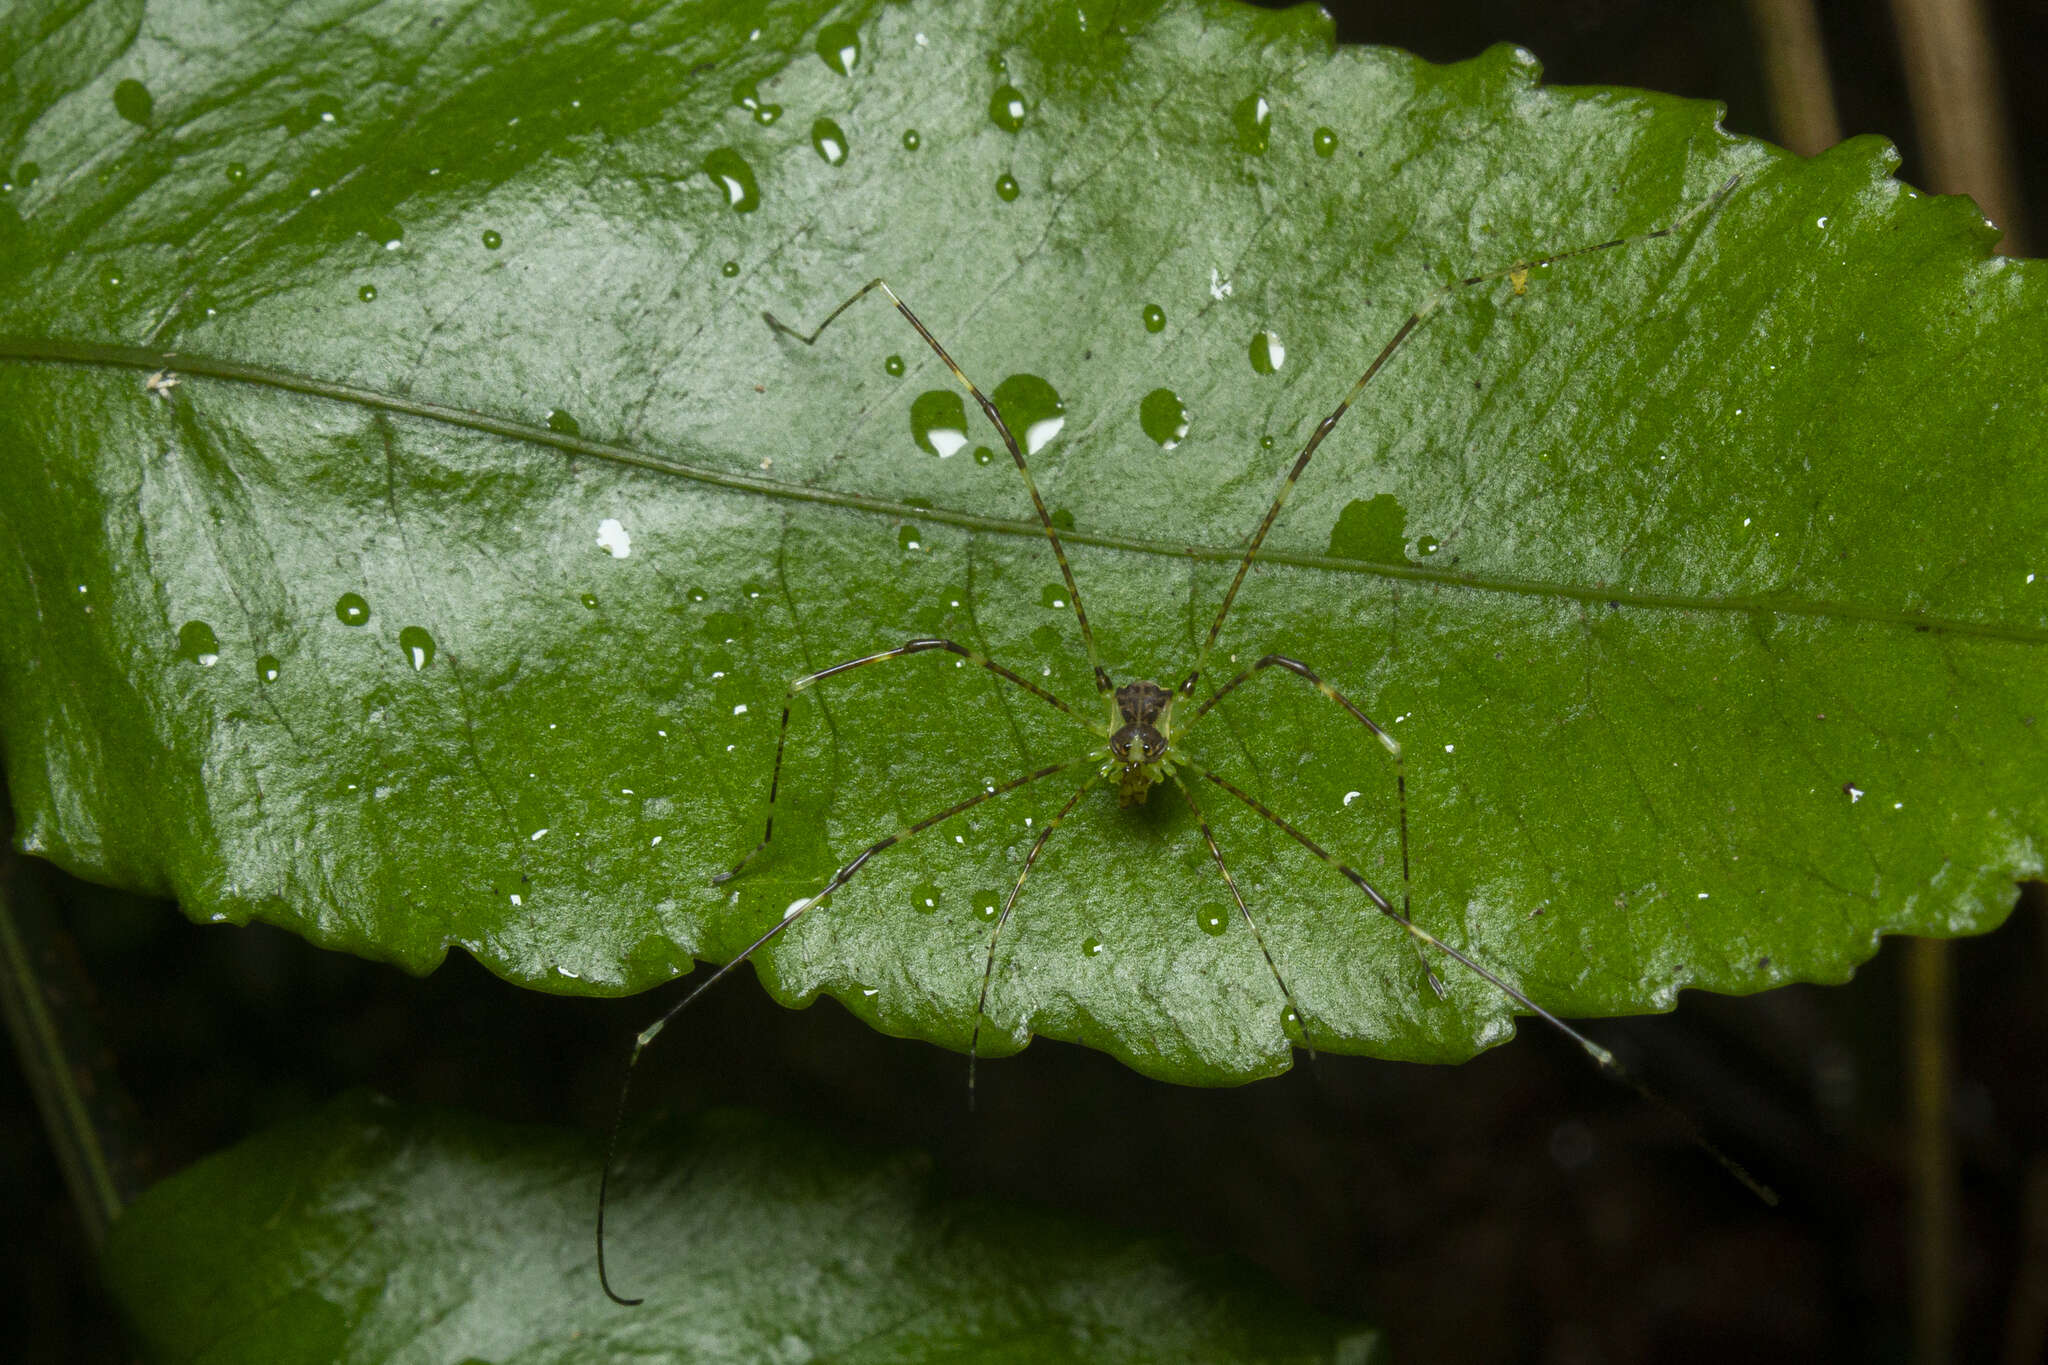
<point>1393,746</point>
<point>797,685</point>
<point>804,907</point>
<point>1059,551</point>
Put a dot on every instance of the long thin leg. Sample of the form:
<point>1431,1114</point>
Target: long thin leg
<point>1393,746</point>
<point>797,685</point>
<point>791,916</point>
<point>988,971</point>
<point>1244,912</point>
<point>1516,272</point>
<point>1059,551</point>
<point>1604,1059</point>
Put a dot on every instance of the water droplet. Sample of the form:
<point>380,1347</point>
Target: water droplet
<point>1426,545</point>
<point>1032,408</point>
<point>589,601</point>
<point>368,293</point>
<point>1006,108</point>
<point>1164,418</point>
<point>1268,355</point>
<point>839,45</point>
<point>197,642</point>
<point>729,269</point>
<point>1055,595</point>
<point>938,422</point>
<point>830,141</point>
<point>1214,918</point>
<point>352,610</point>
<point>1253,118</point>
<point>322,109</point>
<point>111,277</point>
<point>268,667</point>
<point>1155,318</point>
<point>894,365</point>
<point>1265,443</point>
<point>910,539</point>
<point>699,595</point>
<point>561,422</point>
<point>1007,188</point>
<point>912,139</point>
<point>924,898</point>
<point>1326,141</point>
<point>747,97</point>
<point>1091,947</point>
<point>417,646</point>
<point>492,241</point>
<point>983,455</point>
<point>996,65</point>
<point>132,101</point>
<point>237,172</point>
<point>987,905</point>
<point>730,172</point>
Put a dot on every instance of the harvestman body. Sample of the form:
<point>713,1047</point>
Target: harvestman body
<point>1141,736</point>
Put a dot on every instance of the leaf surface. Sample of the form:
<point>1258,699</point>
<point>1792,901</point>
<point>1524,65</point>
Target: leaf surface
<point>448,597</point>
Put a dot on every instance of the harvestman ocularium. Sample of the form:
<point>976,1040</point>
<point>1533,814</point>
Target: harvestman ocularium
<point>1141,740</point>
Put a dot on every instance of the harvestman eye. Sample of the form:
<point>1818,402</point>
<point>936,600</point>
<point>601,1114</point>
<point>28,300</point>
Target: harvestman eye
<point>1140,742</point>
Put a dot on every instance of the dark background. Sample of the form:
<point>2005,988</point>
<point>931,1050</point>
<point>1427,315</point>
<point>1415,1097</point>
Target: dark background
<point>1518,1208</point>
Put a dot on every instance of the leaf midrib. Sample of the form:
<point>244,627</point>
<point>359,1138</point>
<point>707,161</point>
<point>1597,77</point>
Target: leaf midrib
<point>53,350</point>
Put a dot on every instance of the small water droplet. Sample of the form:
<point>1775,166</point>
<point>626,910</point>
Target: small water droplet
<point>830,141</point>
<point>1164,418</point>
<point>1253,118</point>
<point>730,172</point>
<point>747,97</point>
<point>912,139</point>
<point>924,898</point>
<point>987,905</point>
<point>1032,408</point>
<point>894,365</point>
<point>1155,318</point>
<point>268,667</point>
<point>368,293</point>
<point>839,45</point>
<point>1055,595</point>
<point>417,646</point>
<point>559,421</point>
<point>699,595</point>
<point>237,172</point>
<point>1426,545</point>
<point>996,65</point>
<point>1006,108</point>
<point>729,269</point>
<point>589,601</point>
<point>1326,141</point>
<point>910,539</point>
<point>352,610</point>
<point>983,455</point>
<point>1007,188</point>
<point>492,241</point>
<point>1091,947</point>
<point>1268,355</point>
<point>197,642</point>
<point>111,277</point>
<point>1265,443</point>
<point>1213,918</point>
<point>938,422</point>
<point>132,101</point>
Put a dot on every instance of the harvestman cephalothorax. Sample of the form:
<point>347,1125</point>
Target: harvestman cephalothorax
<point>1141,739</point>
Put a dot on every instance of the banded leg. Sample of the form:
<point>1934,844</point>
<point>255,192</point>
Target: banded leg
<point>1602,1058</point>
<point>1518,274</point>
<point>1059,551</point>
<point>1245,913</point>
<point>791,916</point>
<point>988,971</point>
<point>1393,746</point>
<point>797,685</point>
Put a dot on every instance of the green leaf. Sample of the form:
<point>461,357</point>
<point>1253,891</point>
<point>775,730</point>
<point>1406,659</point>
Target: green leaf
<point>370,1230</point>
<point>1696,576</point>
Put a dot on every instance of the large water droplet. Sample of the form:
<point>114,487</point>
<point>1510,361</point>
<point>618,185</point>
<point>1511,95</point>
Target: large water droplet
<point>1007,188</point>
<point>1032,409</point>
<point>1268,355</point>
<point>1155,318</point>
<point>352,610</point>
<point>1006,108</point>
<point>839,45</point>
<point>197,642</point>
<point>938,422</point>
<point>1213,918</point>
<point>910,540</point>
<point>732,174</point>
<point>1164,418</point>
<point>132,102</point>
<point>1253,119</point>
<point>417,646</point>
<point>830,140</point>
<point>924,898</point>
<point>987,905</point>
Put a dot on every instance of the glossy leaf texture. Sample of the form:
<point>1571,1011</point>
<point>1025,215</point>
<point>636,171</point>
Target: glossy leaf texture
<point>442,588</point>
<point>373,1231</point>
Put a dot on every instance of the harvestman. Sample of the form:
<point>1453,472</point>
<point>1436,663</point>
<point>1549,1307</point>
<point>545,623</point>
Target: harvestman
<point>1141,741</point>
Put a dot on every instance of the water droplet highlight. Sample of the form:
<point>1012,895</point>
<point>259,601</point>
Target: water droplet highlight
<point>268,667</point>
<point>1006,108</point>
<point>1163,417</point>
<point>561,422</point>
<point>938,422</point>
<point>417,646</point>
<point>839,46</point>
<point>924,898</point>
<point>1326,142</point>
<point>912,139</point>
<point>1155,318</point>
<point>830,141</point>
<point>1032,409</point>
<point>352,610</point>
<point>730,172</point>
<point>492,241</point>
<point>1268,355</point>
<point>132,102</point>
<point>1253,119</point>
<point>1213,918</point>
<point>197,642</point>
